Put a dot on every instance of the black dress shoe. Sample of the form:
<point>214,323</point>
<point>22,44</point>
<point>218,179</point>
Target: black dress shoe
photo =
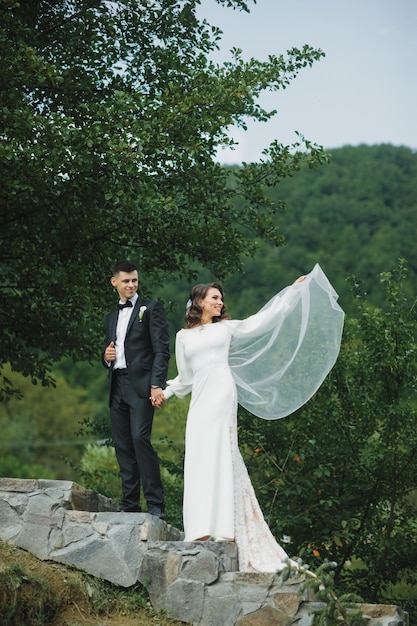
<point>156,511</point>
<point>131,509</point>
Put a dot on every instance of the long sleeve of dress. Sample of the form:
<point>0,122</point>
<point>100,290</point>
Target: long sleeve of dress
<point>280,356</point>
<point>181,385</point>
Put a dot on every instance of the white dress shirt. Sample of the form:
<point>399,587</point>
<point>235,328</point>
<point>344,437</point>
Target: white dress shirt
<point>121,328</point>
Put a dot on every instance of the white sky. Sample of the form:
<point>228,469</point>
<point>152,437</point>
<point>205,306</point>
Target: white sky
<point>363,91</point>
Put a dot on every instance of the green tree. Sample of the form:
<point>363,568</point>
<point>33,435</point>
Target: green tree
<point>338,477</point>
<point>112,114</point>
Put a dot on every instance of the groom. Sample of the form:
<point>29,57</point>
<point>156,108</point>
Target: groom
<point>136,353</point>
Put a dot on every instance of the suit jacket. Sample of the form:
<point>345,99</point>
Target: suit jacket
<point>146,346</point>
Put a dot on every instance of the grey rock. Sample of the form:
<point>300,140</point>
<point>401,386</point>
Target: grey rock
<point>194,582</point>
<point>185,600</point>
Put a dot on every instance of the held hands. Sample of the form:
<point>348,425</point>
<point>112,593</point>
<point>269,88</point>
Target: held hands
<point>157,397</point>
<point>110,352</point>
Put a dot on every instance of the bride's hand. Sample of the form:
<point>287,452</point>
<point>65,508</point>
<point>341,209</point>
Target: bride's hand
<point>299,280</point>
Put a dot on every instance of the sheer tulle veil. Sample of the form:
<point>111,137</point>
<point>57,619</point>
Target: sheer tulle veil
<point>280,356</point>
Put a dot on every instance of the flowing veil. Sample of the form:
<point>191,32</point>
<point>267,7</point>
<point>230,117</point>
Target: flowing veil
<point>280,356</point>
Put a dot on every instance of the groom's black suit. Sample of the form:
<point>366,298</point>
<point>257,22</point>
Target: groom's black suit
<point>147,355</point>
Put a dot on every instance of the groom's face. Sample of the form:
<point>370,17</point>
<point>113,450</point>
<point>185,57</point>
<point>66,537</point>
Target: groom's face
<point>126,284</point>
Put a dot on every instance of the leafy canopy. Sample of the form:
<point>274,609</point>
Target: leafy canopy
<point>112,115</point>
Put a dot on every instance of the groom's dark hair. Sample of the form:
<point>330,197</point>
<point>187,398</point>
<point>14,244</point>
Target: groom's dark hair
<point>124,266</point>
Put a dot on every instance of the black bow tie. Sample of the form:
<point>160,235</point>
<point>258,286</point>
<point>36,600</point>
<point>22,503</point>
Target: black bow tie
<point>123,306</point>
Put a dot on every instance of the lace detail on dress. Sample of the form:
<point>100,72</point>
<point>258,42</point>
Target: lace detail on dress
<point>258,551</point>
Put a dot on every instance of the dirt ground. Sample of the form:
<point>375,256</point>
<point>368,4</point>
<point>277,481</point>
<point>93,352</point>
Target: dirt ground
<point>74,589</point>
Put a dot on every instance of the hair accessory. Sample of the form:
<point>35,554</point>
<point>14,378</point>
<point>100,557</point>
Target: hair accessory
<point>188,305</point>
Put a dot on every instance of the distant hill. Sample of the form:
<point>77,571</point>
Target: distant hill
<point>355,215</point>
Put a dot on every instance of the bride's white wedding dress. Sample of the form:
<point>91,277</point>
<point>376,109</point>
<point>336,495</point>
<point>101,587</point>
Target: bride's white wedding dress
<point>271,363</point>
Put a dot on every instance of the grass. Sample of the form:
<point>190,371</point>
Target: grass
<point>41,593</point>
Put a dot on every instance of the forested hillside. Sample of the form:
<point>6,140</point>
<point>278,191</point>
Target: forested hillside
<point>355,215</point>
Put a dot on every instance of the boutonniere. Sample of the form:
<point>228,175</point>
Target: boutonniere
<point>142,312</point>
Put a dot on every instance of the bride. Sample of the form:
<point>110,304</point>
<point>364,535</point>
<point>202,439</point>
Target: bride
<point>271,363</point>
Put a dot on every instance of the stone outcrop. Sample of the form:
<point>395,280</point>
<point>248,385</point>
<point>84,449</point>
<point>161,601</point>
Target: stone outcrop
<point>197,583</point>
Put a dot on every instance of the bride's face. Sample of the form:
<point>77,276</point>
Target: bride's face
<point>212,304</point>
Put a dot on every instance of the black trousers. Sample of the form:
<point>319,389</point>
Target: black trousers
<point>131,421</point>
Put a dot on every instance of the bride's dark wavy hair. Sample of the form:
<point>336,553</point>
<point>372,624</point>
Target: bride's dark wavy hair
<point>194,311</point>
